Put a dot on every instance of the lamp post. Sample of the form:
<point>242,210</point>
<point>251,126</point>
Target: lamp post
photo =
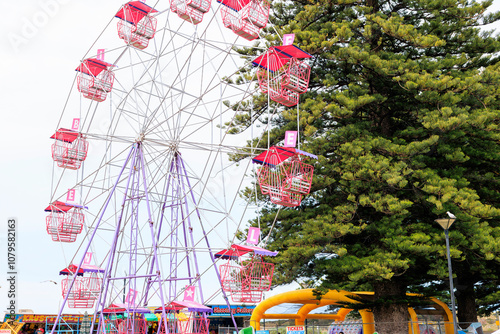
<point>446,223</point>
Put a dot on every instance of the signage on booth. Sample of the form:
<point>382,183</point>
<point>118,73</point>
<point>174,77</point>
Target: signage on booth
<point>46,318</point>
<point>236,310</point>
<point>295,330</point>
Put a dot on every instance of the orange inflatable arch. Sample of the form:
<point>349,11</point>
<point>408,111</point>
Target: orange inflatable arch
<point>332,297</point>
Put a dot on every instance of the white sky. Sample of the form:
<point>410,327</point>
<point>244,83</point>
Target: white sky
<point>41,45</point>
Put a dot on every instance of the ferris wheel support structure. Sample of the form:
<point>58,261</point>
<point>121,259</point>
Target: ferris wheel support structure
<point>178,188</point>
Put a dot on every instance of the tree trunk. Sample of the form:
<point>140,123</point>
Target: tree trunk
<point>390,317</point>
<point>465,296</point>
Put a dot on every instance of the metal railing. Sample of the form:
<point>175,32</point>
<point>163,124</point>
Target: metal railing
<point>354,327</point>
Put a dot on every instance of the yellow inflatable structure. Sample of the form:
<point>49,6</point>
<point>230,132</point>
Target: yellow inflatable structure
<point>332,297</point>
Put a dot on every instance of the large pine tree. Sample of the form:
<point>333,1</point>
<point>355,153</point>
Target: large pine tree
<point>403,111</point>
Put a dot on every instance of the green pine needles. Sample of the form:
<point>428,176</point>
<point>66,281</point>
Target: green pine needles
<point>403,111</point>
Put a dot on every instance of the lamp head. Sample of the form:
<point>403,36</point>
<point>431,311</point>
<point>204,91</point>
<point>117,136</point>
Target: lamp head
<point>445,222</point>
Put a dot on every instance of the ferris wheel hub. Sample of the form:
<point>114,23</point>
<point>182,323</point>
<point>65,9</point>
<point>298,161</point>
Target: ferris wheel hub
<point>174,147</point>
<point>140,139</point>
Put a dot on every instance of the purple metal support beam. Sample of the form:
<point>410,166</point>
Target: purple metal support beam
<point>190,229</point>
<point>155,248</point>
<point>179,198</point>
<point>134,199</point>
<point>90,240</point>
<point>158,232</point>
<point>174,223</point>
<point>209,248</point>
<point>107,274</point>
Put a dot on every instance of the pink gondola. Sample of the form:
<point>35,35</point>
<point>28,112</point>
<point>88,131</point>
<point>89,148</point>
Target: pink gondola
<point>298,176</point>
<point>246,283</point>
<point>95,79</point>
<point>246,276</point>
<point>136,26</point>
<point>190,10</point>
<point>245,17</point>
<point>282,74</point>
<point>280,196</point>
<point>64,222</point>
<point>282,95</point>
<point>283,176</point>
<point>69,149</point>
<point>85,289</point>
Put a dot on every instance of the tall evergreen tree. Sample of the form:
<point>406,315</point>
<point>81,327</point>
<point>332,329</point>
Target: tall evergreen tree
<point>404,113</point>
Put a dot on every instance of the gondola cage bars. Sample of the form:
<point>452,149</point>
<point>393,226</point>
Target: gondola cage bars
<point>137,25</point>
<point>190,10</point>
<point>95,79</point>
<point>245,18</point>
<point>65,221</point>
<point>69,149</point>
<point>85,289</point>
<point>245,275</point>
<point>283,175</point>
<point>282,74</point>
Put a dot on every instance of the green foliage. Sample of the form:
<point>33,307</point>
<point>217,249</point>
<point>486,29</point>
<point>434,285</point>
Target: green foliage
<point>403,112</point>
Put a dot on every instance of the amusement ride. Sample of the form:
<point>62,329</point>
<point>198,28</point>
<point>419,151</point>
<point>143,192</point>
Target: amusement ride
<point>143,193</point>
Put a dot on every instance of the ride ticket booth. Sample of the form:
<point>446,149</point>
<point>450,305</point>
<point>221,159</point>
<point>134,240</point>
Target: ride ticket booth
<point>220,319</point>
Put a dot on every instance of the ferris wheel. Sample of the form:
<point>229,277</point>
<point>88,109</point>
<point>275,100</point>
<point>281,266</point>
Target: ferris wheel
<point>141,180</point>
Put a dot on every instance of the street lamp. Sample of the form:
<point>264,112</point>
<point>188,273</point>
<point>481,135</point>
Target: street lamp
<point>446,223</point>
